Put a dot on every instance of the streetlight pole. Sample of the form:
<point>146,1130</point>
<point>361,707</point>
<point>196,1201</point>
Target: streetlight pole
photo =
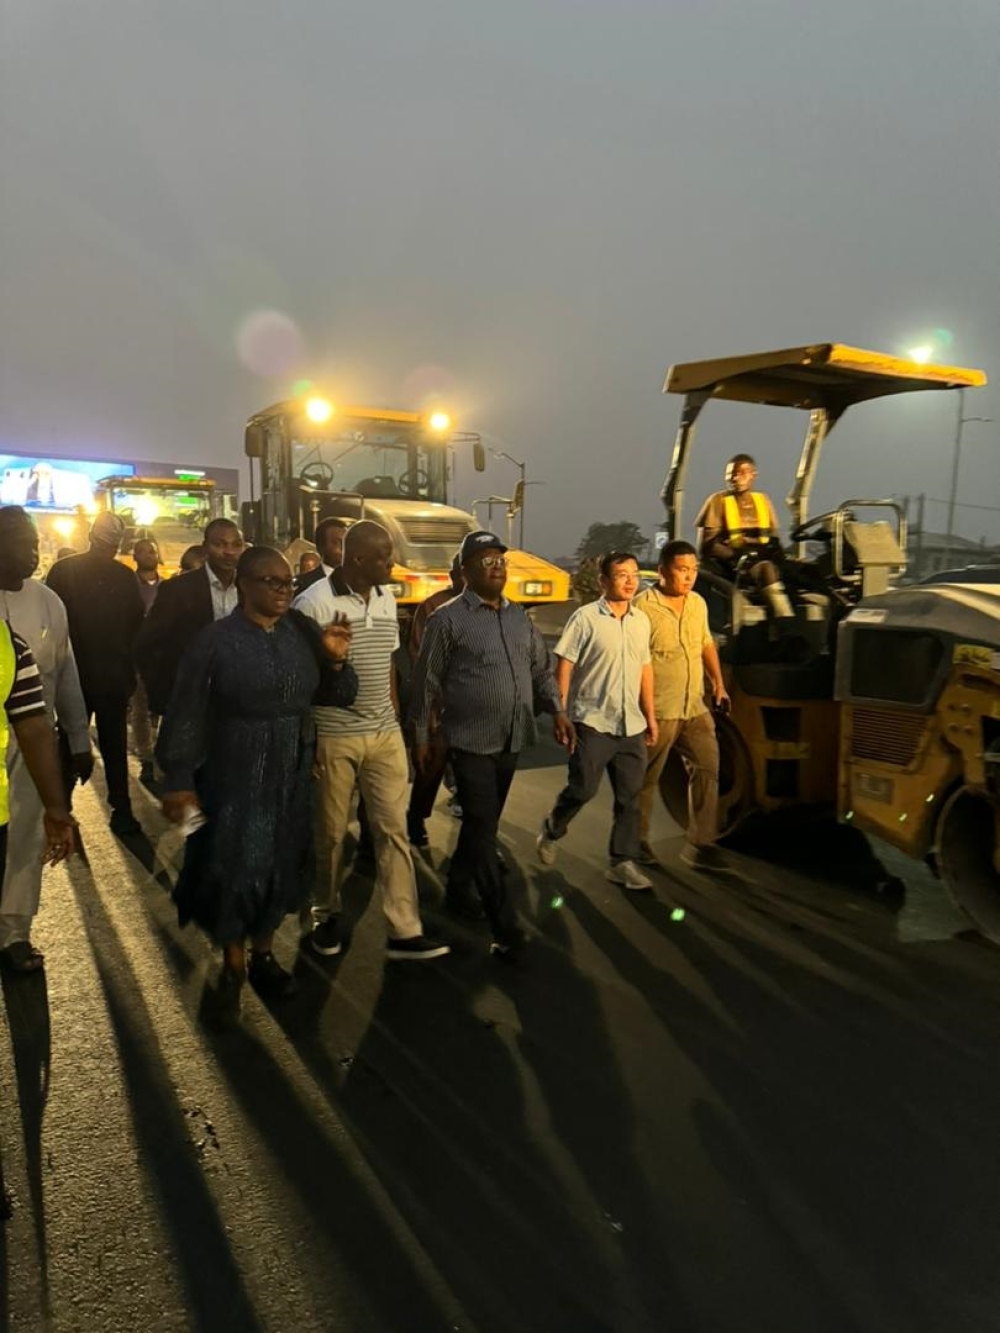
<point>956,459</point>
<point>501,453</point>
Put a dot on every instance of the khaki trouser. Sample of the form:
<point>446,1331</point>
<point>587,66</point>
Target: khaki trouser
<point>22,883</point>
<point>694,740</point>
<point>144,724</point>
<point>377,765</point>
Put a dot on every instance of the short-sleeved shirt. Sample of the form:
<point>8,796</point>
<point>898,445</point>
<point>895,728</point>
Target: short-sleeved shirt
<point>677,645</point>
<point>608,653</point>
<point>374,639</point>
<point>26,698</point>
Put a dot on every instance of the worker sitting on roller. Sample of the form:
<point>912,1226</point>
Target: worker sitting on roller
<point>737,528</point>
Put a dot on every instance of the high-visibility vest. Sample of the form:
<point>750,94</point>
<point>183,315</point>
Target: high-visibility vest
<point>735,525</point>
<point>8,671</point>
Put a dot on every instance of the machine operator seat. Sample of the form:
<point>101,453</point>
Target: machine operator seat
<point>378,488</point>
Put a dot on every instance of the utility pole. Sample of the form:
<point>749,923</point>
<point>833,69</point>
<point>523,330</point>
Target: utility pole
<point>956,458</point>
<point>500,453</point>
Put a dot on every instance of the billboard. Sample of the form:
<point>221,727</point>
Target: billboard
<point>47,484</point>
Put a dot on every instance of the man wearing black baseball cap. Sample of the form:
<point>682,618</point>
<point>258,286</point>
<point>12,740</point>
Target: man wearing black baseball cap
<point>482,665</point>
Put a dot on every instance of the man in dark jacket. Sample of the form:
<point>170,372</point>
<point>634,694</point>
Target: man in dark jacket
<point>329,538</point>
<point>104,613</point>
<point>183,606</point>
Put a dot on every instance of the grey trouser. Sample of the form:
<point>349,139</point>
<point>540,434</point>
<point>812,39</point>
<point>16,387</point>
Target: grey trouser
<point>624,760</point>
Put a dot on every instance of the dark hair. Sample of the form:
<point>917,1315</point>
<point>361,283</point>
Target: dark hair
<point>14,515</point>
<point>613,558</point>
<point>325,523</point>
<point>219,523</point>
<point>737,459</point>
<point>671,550</point>
<point>252,558</point>
<point>184,562</point>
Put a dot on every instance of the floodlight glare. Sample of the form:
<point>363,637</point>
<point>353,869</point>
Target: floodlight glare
<point>319,410</point>
<point>440,421</point>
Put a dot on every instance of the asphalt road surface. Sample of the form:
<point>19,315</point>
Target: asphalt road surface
<point>777,1111</point>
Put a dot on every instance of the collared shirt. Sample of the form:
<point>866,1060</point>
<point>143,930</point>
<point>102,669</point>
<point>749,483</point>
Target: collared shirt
<point>677,642</point>
<point>224,598</point>
<point>608,653</point>
<point>486,667</point>
<point>148,591</point>
<point>37,616</point>
<point>374,639</point>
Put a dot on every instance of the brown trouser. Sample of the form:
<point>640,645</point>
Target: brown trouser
<point>694,740</point>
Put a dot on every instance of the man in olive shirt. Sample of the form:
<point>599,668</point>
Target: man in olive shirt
<point>683,653</point>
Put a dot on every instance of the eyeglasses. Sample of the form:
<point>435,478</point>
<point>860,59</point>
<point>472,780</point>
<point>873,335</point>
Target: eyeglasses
<point>493,561</point>
<point>274,583</point>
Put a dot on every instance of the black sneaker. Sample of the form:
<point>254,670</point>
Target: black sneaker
<point>509,946</point>
<point>123,823</point>
<point>419,948</point>
<point>268,978</point>
<point>325,937</point>
<point>416,831</point>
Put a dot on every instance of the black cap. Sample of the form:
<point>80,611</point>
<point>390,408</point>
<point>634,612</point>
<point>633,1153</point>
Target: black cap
<point>475,542</point>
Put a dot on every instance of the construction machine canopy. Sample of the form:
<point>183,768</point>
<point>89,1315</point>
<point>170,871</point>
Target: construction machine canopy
<point>825,375</point>
<point>824,379</point>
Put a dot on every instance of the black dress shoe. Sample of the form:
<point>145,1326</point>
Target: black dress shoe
<point>268,978</point>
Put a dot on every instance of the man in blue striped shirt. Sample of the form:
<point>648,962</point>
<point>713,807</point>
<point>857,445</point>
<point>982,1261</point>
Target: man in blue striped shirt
<point>485,665</point>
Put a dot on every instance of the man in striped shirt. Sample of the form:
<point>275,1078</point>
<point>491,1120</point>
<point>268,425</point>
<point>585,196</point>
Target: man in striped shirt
<point>485,663</point>
<point>362,746</point>
<point>28,717</point>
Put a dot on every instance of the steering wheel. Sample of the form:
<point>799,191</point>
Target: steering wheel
<point>318,474</point>
<point>812,529</point>
<point>412,481</point>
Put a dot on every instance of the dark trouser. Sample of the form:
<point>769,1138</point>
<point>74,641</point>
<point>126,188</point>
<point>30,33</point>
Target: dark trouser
<point>110,711</point>
<point>624,760</point>
<point>427,781</point>
<point>482,782</point>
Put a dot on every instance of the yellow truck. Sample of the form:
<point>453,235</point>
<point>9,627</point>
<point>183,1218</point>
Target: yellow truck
<point>893,718</point>
<point>173,511</point>
<point>316,459</point>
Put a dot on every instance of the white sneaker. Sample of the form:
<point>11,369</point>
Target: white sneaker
<point>545,847</point>
<point>628,875</point>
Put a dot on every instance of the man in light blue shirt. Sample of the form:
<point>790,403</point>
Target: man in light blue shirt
<point>604,673</point>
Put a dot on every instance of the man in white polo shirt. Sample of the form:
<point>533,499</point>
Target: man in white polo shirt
<point>362,746</point>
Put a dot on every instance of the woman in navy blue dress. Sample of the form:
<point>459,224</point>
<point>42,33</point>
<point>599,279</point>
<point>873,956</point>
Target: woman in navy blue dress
<point>237,744</point>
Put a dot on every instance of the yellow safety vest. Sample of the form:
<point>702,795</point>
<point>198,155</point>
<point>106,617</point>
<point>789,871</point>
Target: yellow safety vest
<point>734,519</point>
<point>8,672</point>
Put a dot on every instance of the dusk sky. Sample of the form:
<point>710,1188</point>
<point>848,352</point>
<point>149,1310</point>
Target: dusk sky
<point>527,210</point>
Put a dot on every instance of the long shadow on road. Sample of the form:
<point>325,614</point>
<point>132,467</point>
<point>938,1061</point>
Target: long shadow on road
<point>216,1297</point>
<point>842,1108</point>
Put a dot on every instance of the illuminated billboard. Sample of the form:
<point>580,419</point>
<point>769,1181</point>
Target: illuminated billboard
<point>54,483</point>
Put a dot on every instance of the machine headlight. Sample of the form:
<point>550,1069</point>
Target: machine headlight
<point>538,589</point>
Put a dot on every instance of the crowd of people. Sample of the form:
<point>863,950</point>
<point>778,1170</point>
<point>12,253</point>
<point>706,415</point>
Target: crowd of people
<point>265,711</point>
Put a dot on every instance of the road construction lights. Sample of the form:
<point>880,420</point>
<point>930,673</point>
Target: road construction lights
<point>319,410</point>
<point>922,355</point>
<point>440,421</point>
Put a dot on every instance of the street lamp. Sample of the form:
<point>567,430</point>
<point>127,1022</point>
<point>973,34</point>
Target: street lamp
<point>501,453</point>
<point>955,461</point>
